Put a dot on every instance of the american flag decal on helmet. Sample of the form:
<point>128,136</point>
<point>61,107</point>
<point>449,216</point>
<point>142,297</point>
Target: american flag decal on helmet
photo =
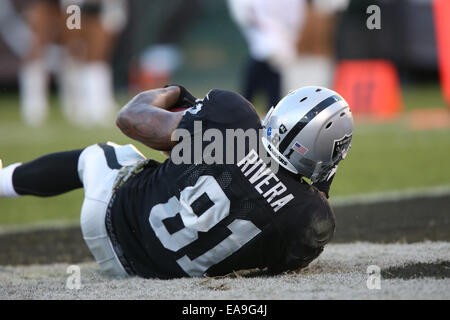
<point>300,148</point>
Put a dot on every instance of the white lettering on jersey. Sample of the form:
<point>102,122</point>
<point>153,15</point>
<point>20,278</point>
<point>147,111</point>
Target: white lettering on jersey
<point>273,190</point>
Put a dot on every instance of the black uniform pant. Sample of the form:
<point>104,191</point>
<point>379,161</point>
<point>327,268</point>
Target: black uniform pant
<point>261,77</point>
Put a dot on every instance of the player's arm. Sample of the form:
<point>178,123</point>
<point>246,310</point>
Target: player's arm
<point>146,117</point>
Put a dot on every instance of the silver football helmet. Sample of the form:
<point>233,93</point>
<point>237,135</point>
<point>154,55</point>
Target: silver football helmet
<point>309,131</point>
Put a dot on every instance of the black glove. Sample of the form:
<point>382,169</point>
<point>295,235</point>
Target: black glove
<point>185,100</point>
<point>324,186</point>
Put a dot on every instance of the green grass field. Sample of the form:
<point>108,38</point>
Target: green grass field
<point>387,156</point>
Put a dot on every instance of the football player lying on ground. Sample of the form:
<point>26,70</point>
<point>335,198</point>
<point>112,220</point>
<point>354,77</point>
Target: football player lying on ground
<point>168,220</point>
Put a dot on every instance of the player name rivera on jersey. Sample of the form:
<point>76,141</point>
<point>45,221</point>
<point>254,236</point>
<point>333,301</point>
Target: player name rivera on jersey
<point>175,220</point>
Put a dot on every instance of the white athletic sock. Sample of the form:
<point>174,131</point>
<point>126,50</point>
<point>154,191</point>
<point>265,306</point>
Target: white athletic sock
<point>97,94</point>
<point>6,183</point>
<point>33,93</point>
<point>308,70</point>
<point>69,88</point>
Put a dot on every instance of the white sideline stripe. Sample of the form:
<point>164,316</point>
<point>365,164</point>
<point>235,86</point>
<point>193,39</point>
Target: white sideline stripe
<point>391,196</point>
<point>366,198</point>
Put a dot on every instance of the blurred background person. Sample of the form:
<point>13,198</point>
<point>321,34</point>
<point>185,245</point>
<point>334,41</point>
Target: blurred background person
<point>43,20</point>
<point>271,29</point>
<point>157,61</point>
<point>315,46</point>
<point>86,77</point>
<point>81,61</point>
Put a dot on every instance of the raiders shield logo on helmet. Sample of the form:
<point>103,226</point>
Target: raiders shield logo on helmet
<point>341,146</point>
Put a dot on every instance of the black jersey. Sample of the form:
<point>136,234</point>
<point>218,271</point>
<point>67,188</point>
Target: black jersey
<point>195,218</point>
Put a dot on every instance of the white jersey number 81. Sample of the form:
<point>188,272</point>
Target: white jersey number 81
<point>242,231</point>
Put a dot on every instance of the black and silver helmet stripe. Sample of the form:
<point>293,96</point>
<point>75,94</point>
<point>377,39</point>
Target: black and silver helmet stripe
<point>288,139</point>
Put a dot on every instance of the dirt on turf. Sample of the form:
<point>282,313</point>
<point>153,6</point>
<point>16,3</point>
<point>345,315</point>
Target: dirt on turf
<point>437,270</point>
